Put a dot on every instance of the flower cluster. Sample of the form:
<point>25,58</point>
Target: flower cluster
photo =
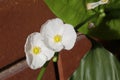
<point>53,37</point>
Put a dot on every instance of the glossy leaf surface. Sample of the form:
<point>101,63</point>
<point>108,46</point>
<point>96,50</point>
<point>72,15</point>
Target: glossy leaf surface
<point>97,64</point>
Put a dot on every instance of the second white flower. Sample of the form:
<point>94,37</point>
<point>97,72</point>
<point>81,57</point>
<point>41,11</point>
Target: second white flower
<point>58,35</point>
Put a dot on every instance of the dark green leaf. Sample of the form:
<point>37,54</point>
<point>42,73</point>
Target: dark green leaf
<point>74,12</point>
<point>108,29</point>
<point>97,64</point>
<point>104,27</point>
<point>70,11</point>
<point>113,4</point>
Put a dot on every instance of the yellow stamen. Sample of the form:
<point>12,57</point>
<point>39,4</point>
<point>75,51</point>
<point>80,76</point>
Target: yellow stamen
<point>36,50</point>
<point>104,0</point>
<point>57,38</point>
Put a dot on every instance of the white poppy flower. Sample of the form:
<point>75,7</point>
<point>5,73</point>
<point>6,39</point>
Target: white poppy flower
<point>36,51</point>
<point>58,35</point>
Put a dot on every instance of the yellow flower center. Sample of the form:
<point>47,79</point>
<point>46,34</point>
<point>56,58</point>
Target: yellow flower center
<point>104,0</point>
<point>57,38</point>
<point>36,50</point>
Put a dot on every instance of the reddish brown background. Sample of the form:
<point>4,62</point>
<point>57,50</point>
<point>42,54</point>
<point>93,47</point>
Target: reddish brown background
<point>19,18</point>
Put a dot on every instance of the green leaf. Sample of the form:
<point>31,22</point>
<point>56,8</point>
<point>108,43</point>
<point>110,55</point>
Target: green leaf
<point>74,12</point>
<point>70,11</point>
<point>107,28</point>
<point>113,4</point>
<point>97,64</point>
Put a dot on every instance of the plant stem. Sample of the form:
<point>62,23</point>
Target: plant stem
<point>83,22</point>
<point>42,71</point>
<point>55,58</point>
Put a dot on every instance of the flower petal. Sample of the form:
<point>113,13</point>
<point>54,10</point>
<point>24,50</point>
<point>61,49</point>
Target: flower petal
<point>69,37</point>
<point>49,30</point>
<point>54,46</point>
<point>37,60</point>
<point>36,39</point>
<point>48,53</point>
<point>51,27</point>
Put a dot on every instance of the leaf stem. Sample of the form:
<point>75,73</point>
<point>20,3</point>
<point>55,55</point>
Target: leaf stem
<point>82,23</point>
<point>42,71</point>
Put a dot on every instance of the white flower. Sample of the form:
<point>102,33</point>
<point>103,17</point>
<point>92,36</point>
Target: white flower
<point>58,35</point>
<point>96,4</point>
<point>36,51</point>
